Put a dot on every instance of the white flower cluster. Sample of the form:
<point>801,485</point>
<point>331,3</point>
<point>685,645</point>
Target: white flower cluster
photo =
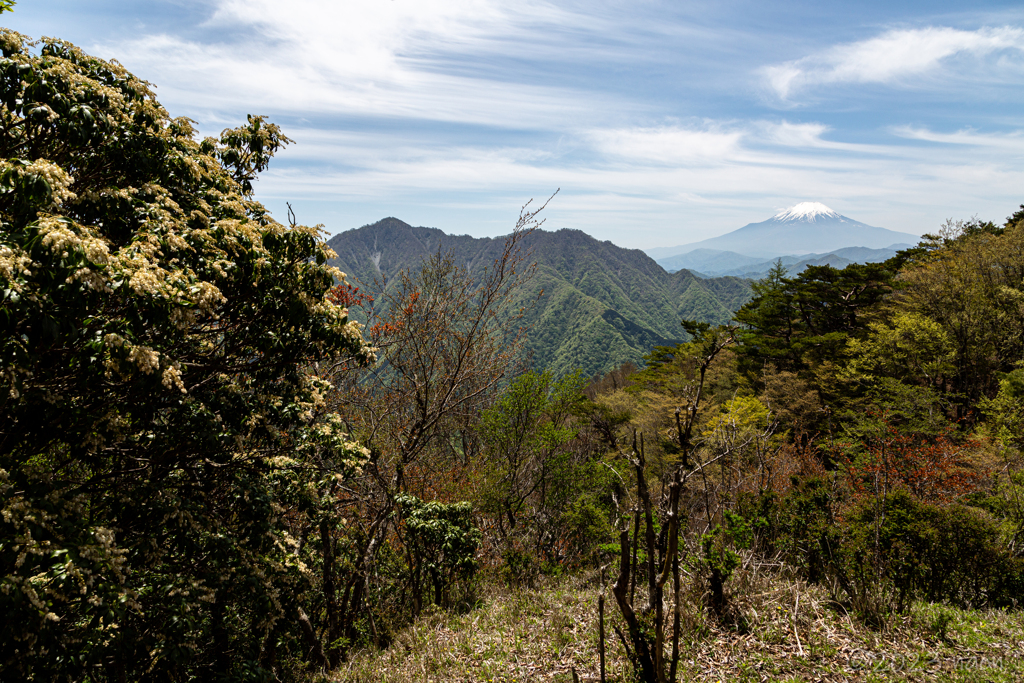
<point>116,105</point>
<point>62,237</point>
<point>207,297</point>
<point>330,433</point>
<point>139,266</point>
<point>353,332</point>
<point>318,388</point>
<point>13,266</point>
<point>282,461</point>
<point>90,278</point>
<point>172,379</point>
<point>145,358</point>
<point>54,176</point>
<point>51,115</point>
<point>115,340</point>
<point>182,317</point>
<point>78,574</point>
<point>147,281</point>
<point>195,172</point>
<point>104,551</point>
<point>11,41</point>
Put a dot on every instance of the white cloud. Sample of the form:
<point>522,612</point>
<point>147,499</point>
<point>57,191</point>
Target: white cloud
<point>1013,141</point>
<point>811,136</point>
<point>797,134</point>
<point>377,94</point>
<point>397,59</point>
<point>668,144</point>
<point>360,38</point>
<point>645,186</point>
<point>890,57</point>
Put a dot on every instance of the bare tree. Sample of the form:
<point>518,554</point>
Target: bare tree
<point>661,560</point>
<point>446,340</point>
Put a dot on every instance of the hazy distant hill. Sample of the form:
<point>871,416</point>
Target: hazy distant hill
<point>809,227</point>
<point>711,263</point>
<point>708,261</point>
<point>602,304</point>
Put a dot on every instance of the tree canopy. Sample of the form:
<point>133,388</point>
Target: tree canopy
<point>161,335</point>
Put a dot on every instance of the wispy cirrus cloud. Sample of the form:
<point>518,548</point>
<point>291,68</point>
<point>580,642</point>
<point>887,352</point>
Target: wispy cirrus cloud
<point>1010,141</point>
<point>427,60</point>
<point>627,183</point>
<point>796,134</point>
<point>449,112</point>
<point>814,136</point>
<point>671,145</point>
<point>890,57</point>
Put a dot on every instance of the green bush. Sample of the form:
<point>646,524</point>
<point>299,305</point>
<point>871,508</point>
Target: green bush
<point>941,554</point>
<point>802,526</point>
<point>884,553</point>
<point>519,568</point>
<point>719,557</point>
<point>538,478</point>
<point>441,541</point>
<point>587,528</point>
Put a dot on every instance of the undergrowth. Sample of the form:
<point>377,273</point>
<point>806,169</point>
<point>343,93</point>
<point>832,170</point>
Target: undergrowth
<point>779,628</point>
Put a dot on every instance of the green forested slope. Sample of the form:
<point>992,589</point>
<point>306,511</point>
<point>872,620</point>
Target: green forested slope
<point>601,305</point>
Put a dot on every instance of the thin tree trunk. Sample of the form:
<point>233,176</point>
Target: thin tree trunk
<point>642,654</point>
<point>316,648</point>
<point>675,620</point>
<point>672,542</point>
<point>645,499</point>
<point>600,632</point>
<point>636,540</point>
<point>330,591</point>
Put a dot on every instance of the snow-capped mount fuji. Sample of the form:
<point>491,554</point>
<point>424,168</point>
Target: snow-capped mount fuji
<point>808,227</point>
<point>806,211</point>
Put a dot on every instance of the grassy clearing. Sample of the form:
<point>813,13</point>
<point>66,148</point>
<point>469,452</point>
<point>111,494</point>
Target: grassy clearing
<point>782,630</point>
<point>517,635</point>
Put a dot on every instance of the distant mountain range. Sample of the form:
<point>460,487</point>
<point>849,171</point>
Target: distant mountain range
<point>805,232</point>
<point>602,305</point>
<point>713,263</point>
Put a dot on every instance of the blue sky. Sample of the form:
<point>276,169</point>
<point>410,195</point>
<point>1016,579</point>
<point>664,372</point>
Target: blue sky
<point>662,122</point>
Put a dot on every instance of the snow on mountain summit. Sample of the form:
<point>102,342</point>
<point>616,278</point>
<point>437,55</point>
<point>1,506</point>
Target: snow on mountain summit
<point>807,228</point>
<point>806,211</point>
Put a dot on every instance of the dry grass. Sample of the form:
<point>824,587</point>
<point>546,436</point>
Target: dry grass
<point>781,629</point>
<point>518,635</point>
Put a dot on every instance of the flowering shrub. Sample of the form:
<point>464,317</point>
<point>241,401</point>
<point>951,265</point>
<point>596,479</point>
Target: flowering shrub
<point>164,435</point>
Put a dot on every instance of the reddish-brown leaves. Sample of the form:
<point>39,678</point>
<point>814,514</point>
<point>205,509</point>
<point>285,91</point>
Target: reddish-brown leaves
<point>932,468</point>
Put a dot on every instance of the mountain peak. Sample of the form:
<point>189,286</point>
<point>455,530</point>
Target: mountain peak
<point>806,211</point>
<point>807,228</point>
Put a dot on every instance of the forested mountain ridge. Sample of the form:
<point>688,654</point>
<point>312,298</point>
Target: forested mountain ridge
<point>602,305</point>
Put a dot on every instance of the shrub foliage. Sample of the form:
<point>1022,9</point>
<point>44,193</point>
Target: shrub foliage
<point>161,418</point>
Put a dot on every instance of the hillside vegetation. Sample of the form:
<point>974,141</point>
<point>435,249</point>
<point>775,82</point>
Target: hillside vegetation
<point>794,634</point>
<point>209,472</point>
<point>590,305</point>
